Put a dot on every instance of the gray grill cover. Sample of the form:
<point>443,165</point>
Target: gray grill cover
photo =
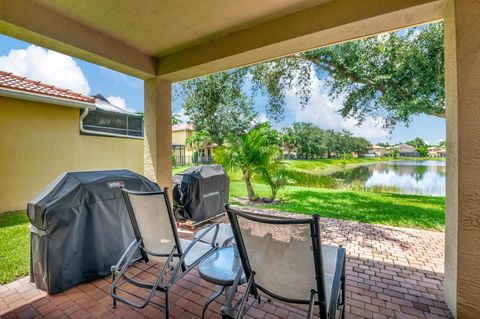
<point>80,227</point>
<point>200,192</point>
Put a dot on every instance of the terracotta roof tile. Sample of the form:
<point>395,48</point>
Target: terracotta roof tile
<point>19,83</point>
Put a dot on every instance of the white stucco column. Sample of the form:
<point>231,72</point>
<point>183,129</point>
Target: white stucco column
<point>462,237</point>
<point>158,131</point>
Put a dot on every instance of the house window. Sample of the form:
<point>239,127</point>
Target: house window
<point>179,153</point>
<point>115,123</point>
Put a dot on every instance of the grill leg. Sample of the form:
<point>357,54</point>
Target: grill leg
<point>342,314</point>
<point>167,305</point>
<point>114,301</point>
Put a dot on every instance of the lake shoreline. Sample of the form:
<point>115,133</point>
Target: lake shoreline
<point>331,168</point>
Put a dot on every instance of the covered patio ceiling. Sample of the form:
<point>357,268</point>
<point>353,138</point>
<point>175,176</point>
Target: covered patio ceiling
<point>177,40</point>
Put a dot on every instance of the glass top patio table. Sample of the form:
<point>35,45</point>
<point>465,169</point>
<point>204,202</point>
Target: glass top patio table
<point>222,267</point>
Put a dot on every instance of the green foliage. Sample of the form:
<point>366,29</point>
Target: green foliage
<point>310,141</point>
<point>251,152</point>
<point>14,246</point>
<point>174,160</point>
<point>217,104</point>
<point>417,143</point>
<point>276,176</point>
<point>422,151</point>
<point>320,165</point>
<point>391,77</point>
<point>306,179</point>
<point>176,119</point>
<point>368,207</point>
<point>395,153</point>
<point>196,141</point>
<point>179,169</point>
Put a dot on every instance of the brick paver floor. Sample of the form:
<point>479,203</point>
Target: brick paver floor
<point>392,272</point>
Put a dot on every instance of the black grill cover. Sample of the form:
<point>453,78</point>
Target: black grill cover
<point>200,192</point>
<point>80,227</point>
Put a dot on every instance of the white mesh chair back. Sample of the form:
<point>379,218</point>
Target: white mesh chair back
<point>154,221</point>
<point>281,257</point>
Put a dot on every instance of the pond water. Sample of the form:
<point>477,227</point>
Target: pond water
<point>424,177</point>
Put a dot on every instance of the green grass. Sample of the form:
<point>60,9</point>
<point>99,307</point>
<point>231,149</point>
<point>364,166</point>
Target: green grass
<point>178,169</point>
<point>14,246</point>
<point>305,179</point>
<point>423,212</point>
<point>312,193</point>
<point>317,166</point>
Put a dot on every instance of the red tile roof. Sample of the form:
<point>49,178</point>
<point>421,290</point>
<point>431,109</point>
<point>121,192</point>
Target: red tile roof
<point>18,83</point>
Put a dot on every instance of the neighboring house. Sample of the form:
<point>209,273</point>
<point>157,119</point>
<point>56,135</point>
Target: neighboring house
<point>183,152</point>
<point>405,150</point>
<point>112,120</point>
<point>289,152</point>
<point>41,137</point>
<point>436,151</point>
<point>377,150</point>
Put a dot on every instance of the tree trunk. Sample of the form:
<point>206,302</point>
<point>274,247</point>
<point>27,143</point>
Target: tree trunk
<point>250,191</point>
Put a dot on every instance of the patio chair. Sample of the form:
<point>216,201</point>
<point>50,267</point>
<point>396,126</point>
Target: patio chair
<point>283,259</point>
<point>157,240</point>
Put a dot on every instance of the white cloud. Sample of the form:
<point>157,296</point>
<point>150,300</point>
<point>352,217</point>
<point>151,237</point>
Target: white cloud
<point>324,113</point>
<point>182,116</point>
<point>261,118</point>
<point>120,102</point>
<point>47,66</point>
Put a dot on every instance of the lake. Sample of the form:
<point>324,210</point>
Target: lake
<point>423,177</point>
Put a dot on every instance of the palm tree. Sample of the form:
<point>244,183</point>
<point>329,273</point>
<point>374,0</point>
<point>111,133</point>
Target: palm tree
<point>250,152</point>
<point>176,119</point>
<point>196,142</point>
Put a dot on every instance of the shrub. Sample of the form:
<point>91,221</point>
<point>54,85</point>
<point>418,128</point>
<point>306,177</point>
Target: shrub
<point>310,180</point>
<point>276,176</point>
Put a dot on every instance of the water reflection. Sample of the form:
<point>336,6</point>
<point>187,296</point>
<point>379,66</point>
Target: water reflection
<point>407,177</point>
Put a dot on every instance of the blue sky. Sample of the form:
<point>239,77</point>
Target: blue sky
<point>125,91</point>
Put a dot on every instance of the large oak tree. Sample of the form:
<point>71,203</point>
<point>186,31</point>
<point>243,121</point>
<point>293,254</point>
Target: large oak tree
<point>391,77</point>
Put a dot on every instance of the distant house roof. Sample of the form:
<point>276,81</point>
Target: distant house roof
<point>376,146</point>
<point>182,127</point>
<point>405,147</point>
<point>22,84</point>
<point>102,103</point>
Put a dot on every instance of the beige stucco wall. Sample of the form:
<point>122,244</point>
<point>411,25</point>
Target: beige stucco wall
<point>40,141</point>
<point>462,242</point>
<point>180,138</point>
<point>451,217</point>
<point>158,131</point>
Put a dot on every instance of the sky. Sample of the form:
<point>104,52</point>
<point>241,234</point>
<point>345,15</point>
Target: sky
<point>50,67</point>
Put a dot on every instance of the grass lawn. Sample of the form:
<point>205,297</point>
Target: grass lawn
<point>377,208</point>
<point>14,246</point>
<point>369,207</point>
<point>318,165</point>
<point>178,169</point>
<point>315,165</point>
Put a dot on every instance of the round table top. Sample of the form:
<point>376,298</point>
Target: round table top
<point>221,267</point>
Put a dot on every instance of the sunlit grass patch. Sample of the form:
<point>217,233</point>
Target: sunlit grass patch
<point>14,246</point>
